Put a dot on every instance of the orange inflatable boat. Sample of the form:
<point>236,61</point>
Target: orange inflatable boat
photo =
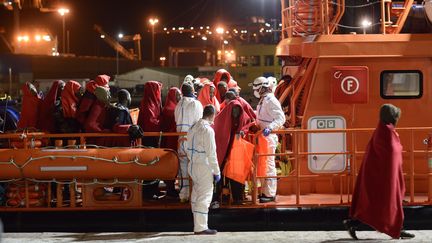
<point>119,163</point>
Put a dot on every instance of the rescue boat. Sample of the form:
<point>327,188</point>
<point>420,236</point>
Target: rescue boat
<point>339,81</point>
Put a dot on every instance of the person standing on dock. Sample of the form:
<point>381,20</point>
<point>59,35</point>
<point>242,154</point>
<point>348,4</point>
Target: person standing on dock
<point>203,168</point>
<point>380,186</point>
<point>270,116</point>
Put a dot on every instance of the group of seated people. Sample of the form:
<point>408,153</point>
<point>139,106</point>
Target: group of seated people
<point>70,108</point>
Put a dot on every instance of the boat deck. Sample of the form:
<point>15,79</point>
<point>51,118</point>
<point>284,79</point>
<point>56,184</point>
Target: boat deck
<point>284,201</point>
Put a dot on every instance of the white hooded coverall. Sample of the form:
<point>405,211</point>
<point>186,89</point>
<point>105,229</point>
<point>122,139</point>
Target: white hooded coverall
<point>203,164</point>
<point>187,112</point>
<point>270,115</point>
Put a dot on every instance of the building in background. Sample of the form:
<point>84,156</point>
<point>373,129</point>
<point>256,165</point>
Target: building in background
<point>252,61</point>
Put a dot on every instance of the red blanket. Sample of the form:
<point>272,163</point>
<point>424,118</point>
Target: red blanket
<point>47,107</point>
<point>225,128</point>
<point>380,187</point>
<point>69,99</point>
<point>222,73</point>
<point>100,80</point>
<point>205,99</point>
<point>150,111</point>
<point>29,110</point>
<point>168,123</point>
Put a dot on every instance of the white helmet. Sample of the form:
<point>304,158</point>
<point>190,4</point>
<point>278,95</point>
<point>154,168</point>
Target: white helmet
<point>258,83</point>
<point>196,81</point>
<point>188,79</point>
<point>273,83</point>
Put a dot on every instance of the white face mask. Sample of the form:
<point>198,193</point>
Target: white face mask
<point>257,94</point>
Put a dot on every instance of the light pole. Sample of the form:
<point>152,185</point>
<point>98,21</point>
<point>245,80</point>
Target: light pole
<point>220,31</point>
<point>63,12</point>
<point>120,36</point>
<point>153,22</point>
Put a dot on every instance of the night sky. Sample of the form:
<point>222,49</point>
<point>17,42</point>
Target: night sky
<point>131,16</point>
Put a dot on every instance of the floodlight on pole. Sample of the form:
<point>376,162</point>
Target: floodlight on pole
<point>120,36</point>
<point>63,12</point>
<point>220,30</point>
<point>153,22</point>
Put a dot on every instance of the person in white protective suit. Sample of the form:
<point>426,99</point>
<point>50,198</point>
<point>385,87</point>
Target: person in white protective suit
<point>270,116</point>
<point>203,168</point>
<point>189,79</point>
<point>187,112</point>
<point>273,83</point>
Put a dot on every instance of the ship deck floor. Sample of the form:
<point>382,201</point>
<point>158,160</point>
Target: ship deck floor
<point>284,201</point>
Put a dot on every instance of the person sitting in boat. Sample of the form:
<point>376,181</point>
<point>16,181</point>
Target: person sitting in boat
<point>89,97</point>
<point>150,112</point>
<point>66,109</point>
<point>46,119</point>
<point>187,112</point>
<point>168,124</point>
<point>231,121</point>
<point>381,206</point>
<point>119,120</point>
<point>31,101</point>
<point>207,96</point>
<point>95,122</point>
<point>149,121</point>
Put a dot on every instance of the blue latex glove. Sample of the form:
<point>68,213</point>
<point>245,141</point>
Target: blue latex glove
<point>266,132</point>
<point>216,178</point>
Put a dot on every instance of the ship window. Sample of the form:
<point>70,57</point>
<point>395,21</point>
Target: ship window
<point>401,84</point>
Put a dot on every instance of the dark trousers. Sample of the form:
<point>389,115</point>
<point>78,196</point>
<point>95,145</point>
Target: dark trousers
<point>237,189</point>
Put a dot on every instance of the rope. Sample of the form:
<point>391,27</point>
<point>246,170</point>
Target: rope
<point>74,180</point>
<point>94,182</point>
<point>356,6</point>
<point>113,160</point>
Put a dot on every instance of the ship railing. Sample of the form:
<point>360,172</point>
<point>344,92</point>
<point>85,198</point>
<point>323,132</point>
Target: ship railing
<point>415,150</point>
<point>303,18</point>
<point>293,144</point>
